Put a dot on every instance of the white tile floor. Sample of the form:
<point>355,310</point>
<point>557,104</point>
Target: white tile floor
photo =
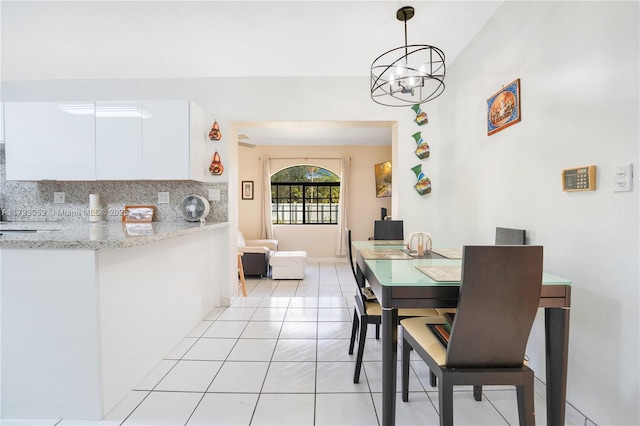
<point>280,357</point>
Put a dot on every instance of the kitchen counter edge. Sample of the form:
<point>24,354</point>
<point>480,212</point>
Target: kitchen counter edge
<point>56,235</point>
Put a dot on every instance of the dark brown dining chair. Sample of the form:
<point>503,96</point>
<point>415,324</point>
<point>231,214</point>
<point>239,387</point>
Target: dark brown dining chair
<point>388,230</point>
<point>367,311</point>
<point>499,297</point>
<point>504,237</point>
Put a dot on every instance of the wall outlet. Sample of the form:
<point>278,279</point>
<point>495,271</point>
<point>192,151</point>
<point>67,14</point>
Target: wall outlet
<point>58,197</point>
<point>214,195</point>
<point>163,198</point>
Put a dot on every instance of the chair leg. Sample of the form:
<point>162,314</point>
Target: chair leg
<point>242,287</point>
<point>406,357</point>
<point>354,331</point>
<point>377,331</point>
<point>432,379</point>
<point>526,403</point>
<point>445,397</point>
<point>477,392</point>
<point>361,340</point>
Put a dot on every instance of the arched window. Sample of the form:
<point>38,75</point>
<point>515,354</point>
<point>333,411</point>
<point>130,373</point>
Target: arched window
<point>305,195</point>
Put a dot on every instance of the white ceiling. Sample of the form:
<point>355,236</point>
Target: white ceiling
<point>316,133</point>
<point>43,40</point>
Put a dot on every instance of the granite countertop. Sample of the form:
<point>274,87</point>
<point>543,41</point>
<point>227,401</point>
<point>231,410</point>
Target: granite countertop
<point>85,235</point>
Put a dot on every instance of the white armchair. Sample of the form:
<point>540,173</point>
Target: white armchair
<point>255,259</point>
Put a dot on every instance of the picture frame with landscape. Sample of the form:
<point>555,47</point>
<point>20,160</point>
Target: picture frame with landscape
<point>383,179</point>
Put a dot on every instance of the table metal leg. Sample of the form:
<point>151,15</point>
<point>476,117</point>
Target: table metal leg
<point>389,365</point>
<point>557,350</point>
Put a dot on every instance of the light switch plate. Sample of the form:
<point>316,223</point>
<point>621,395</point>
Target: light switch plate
<point>58,197</point>
<point>163,198</point>
<point>623,178</point>
<point>214,195</point>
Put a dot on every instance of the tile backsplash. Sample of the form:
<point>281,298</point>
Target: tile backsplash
<point>33,201</point>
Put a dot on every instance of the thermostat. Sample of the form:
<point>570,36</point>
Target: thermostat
<point>579,179</point>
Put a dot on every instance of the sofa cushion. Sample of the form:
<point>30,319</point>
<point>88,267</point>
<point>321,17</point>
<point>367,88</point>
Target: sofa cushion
<point>270,244</point>
<point>252,249</point>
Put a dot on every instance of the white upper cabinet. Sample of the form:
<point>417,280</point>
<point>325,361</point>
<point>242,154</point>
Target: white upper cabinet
<point>119,140</point>
<point>105,140</point>
<point>197,140</point>
<point>1,122</point>
<point>173,141</point>
<point>50,140</point>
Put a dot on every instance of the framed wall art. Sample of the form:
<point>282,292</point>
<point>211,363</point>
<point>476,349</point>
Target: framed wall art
<point>247,190</point>
<point>383,179</point>
<point>503,108</point>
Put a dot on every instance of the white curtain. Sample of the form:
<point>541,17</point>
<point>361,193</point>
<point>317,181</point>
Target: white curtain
<point>266,228</point>
<point>341,250</point>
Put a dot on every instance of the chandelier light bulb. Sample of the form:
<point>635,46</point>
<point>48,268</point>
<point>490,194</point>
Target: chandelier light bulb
<point>399,70</point>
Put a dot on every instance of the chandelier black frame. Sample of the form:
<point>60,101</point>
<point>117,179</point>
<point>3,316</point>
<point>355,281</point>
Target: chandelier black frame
<point>410,74</point>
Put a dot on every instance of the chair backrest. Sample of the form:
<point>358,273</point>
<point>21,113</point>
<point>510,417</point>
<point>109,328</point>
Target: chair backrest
<point>499,297</point>
<point>510,237</point>
<point>388,230</point>
<point>347,237</point>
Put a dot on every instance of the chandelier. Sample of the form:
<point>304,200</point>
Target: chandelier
<point>407,75</point>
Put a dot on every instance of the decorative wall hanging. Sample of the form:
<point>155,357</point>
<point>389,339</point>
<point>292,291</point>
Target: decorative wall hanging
<point>423,186</point>
<point>422,150</point>
<point>216,167</point>
<point>421,116</point>
<point>215,134</point>
<point>503,108</point>
<point>383,179</point>
<point>247,190</point>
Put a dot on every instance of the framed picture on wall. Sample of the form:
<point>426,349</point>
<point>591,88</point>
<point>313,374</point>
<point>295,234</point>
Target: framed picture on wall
<point>247,190</point>
<point>383,179</point>
<point>503,108</point>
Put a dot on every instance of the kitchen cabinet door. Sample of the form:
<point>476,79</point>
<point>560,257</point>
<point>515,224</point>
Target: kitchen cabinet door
<point>197,137</point>
<point>165,135</point>
<point>119,140</point>
<point>73,140</point>
<point>50,140</point>
<point>167,152</point>
<point>1,122</point>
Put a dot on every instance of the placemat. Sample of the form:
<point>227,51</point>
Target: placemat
<point>384,254</point>
<point>442,273</point>
<point>449,253</point>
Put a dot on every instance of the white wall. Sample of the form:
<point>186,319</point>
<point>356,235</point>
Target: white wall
<point>578,65</point>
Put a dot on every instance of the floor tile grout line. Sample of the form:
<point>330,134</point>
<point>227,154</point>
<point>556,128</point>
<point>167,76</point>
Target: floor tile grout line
<point>255,408</point>
<point>136,407</point>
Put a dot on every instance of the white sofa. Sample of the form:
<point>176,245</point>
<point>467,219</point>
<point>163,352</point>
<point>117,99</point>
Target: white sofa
<point>255,259</point>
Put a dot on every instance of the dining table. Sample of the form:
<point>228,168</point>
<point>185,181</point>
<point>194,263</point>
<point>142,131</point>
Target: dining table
<point>398,279</point>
